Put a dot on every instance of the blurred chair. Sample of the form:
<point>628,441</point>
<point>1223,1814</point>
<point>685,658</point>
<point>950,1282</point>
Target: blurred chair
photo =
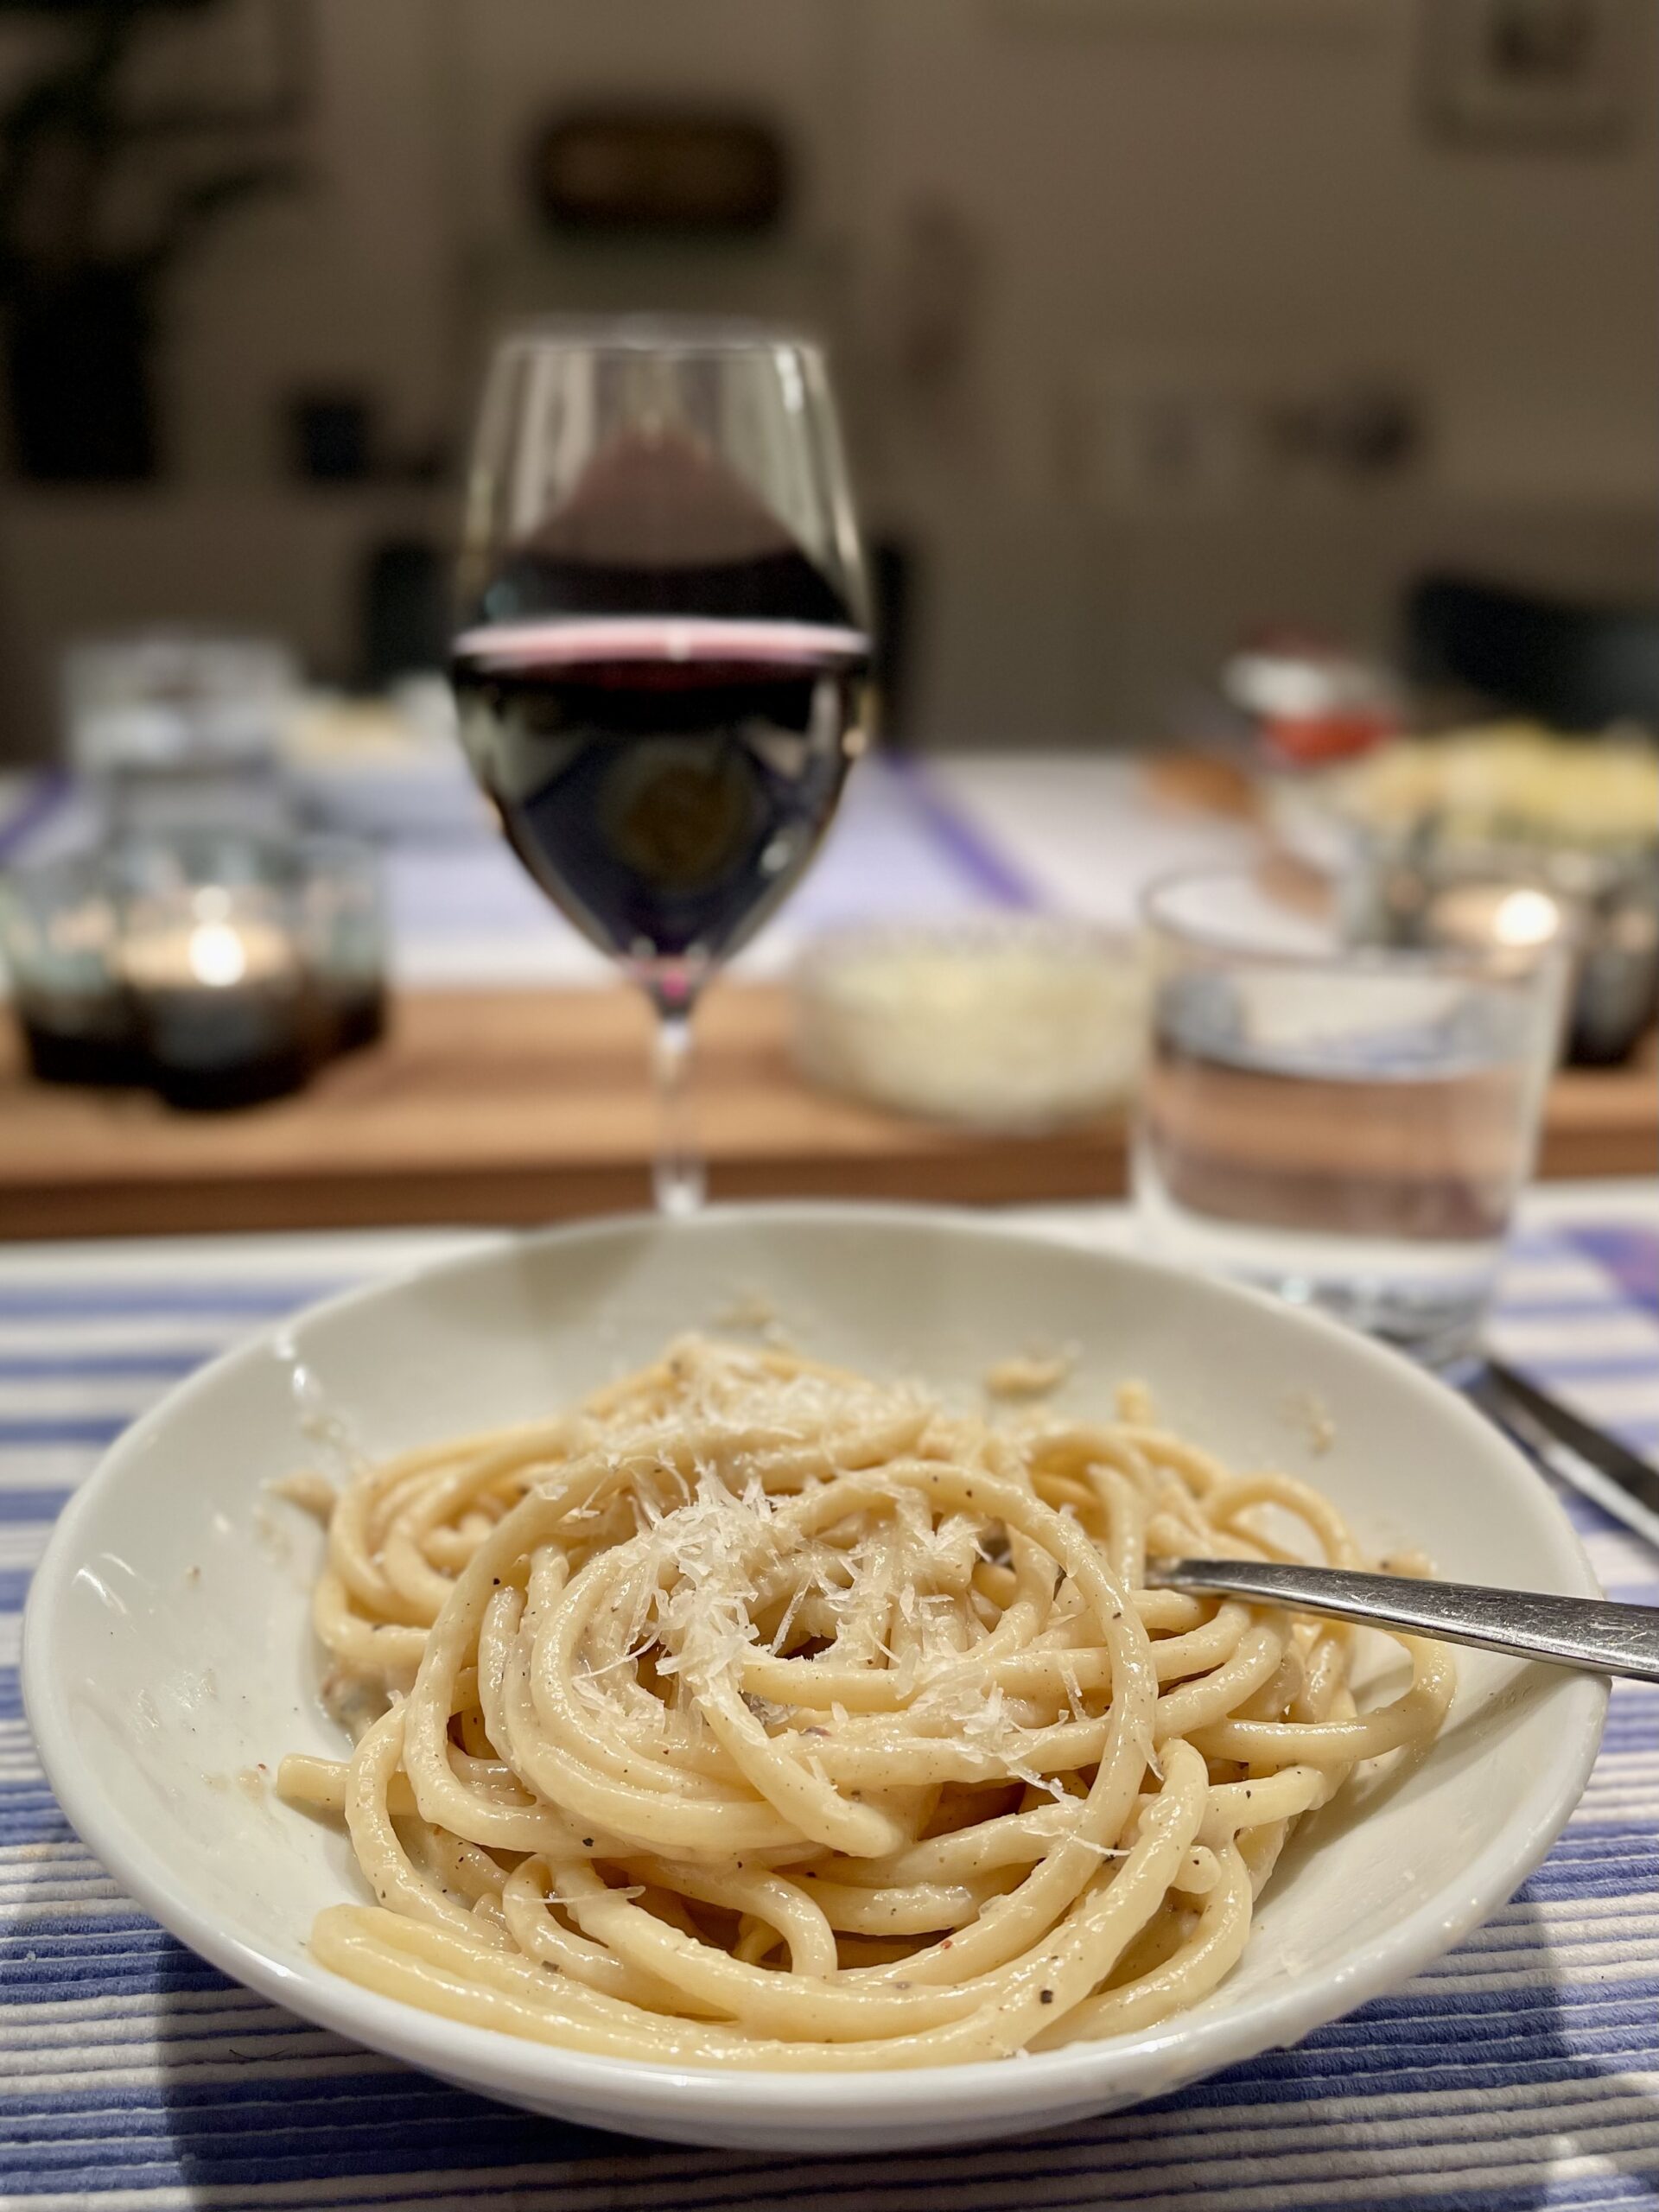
<point>893,591</point>
<point>406,614</point>
<point>1578,667</point>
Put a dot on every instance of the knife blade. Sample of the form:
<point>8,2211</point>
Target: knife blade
<point>1593,1463</point>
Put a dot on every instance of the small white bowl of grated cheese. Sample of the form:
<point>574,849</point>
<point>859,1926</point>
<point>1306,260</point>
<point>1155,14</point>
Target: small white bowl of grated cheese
<point>1011,1022</point>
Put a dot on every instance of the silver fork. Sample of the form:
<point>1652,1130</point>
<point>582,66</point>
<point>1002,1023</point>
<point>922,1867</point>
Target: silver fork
<point>1592,1634</point>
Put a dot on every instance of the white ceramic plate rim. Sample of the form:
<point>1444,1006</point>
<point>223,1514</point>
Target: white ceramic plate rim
<point>1124,2068</point>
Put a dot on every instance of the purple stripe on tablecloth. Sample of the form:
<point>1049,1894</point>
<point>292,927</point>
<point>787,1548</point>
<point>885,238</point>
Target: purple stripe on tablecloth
<point>87,1300</point>
<point>1630,1256</point>
<point>994,876</point>
<point>37,806</point>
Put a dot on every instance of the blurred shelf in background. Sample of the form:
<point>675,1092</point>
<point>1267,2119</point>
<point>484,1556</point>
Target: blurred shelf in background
<point>287,561</point>
<point>1118,614</point>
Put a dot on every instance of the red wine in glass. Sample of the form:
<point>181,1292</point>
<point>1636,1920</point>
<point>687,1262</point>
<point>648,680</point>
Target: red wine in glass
<point>663,664</point>
<point>665,779</point>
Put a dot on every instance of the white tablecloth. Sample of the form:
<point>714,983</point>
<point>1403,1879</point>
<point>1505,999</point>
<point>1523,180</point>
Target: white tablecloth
<point>924,841</point>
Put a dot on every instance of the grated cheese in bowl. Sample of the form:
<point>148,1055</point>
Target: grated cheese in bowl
<point>1010,1023</point>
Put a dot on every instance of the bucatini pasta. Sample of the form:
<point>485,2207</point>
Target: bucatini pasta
<point>757,1715</point>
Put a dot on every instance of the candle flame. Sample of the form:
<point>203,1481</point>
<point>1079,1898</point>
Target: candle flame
<point>1525,917</point>
<point>217,953</point>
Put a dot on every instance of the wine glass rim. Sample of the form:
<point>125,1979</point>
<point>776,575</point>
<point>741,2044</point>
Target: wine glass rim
<point>651,332</point>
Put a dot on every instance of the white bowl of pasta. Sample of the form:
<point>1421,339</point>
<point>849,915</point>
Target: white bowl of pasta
<point>781,1746</point>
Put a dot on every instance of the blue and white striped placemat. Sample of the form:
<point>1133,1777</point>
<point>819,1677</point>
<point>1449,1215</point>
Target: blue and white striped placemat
<point>1521,2072</point>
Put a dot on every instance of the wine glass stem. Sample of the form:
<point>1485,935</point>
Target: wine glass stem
<point>679,1179</point>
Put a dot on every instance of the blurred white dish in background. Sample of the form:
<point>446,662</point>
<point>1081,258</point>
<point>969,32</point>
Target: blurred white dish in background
<point>1514,783</point>
<point>1013,1023</point>
<point>168,699</point>
<point>1515,790</point>
<point>384,768</point>
<point>166,1658</point>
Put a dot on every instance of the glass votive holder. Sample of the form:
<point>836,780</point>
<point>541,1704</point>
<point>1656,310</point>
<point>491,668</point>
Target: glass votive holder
<point>60,925</point>
<point>1609,901</point>
<point>223,1007</point>
<point>342,921</point>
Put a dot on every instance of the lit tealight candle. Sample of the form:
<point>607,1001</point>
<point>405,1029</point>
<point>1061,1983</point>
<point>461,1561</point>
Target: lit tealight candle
<point>219,989</point>
<point>1495,918</point>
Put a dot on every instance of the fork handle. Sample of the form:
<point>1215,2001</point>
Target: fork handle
<point>1589,1633</point>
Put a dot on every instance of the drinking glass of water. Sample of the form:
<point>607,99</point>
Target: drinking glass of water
<point>663,662</point>
<point>1345,1124</point>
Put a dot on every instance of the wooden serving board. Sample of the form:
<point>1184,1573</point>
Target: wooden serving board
<point>532,1106</point>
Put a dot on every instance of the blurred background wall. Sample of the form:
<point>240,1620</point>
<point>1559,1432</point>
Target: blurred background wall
<point>1155,319</point>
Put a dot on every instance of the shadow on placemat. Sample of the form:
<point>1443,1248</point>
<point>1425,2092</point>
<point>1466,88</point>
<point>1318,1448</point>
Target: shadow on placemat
<point>1458,2094</point>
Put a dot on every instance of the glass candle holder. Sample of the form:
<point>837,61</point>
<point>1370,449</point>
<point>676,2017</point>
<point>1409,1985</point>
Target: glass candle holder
<point>58,932</point>
<point>343,928</point>
<point>223,1007</point>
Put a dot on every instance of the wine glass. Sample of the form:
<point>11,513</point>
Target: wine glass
<point>662,670</point>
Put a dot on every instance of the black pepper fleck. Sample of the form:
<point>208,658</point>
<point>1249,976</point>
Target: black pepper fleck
<point>1045,1996</point>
